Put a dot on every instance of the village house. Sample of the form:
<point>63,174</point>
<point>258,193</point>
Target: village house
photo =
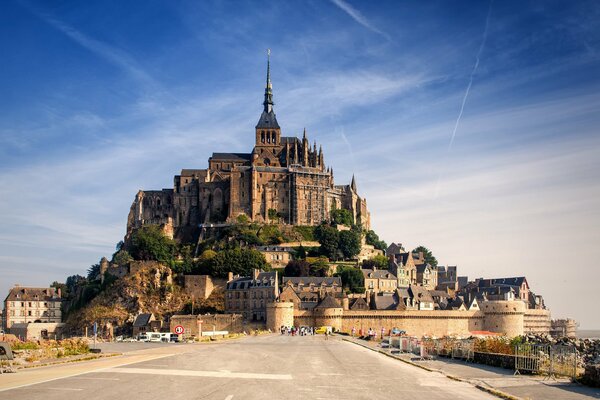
<point>249,296</point>
<point>276,256</point>
<point>32,305</point>
<point>378,281</point>
<point>308,291</point>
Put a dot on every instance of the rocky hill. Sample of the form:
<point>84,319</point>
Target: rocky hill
<point>148,289</point>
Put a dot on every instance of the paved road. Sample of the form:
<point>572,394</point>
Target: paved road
<point>264,367</point>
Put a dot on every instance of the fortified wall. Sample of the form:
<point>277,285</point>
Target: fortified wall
<point>208,322</point>
<point>506,317</point>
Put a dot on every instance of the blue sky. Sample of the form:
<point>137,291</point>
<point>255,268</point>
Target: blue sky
<point>472,127</point>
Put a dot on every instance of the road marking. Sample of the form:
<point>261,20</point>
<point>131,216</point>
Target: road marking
<point>229,397</point>
<point>99,379</point>
<point>68,389</point>
<point>155,365</point>
<point>81,373</point>
<point>208,374</point>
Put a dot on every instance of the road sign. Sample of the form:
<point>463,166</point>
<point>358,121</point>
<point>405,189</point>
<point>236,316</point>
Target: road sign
<point>179,330</point>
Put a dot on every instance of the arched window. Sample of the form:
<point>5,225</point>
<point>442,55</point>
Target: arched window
<point>262,136</point>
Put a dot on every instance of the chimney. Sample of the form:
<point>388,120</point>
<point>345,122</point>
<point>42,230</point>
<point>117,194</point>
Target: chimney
<point>59,293</point>
<point>229,276</point>
<point>255,272</point>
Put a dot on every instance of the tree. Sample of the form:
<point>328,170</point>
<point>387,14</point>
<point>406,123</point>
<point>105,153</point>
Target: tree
<point>150,243</point>
<point>340,216</point>
<point>372,239</point>
<point>239,261</point>
<point>297,268</point>
<point>427,254</point>
<point>352,279</point>
<point>64,290</point>
<point>349,243</point>
<point>328,237</point>
<point>377,262</point>
<point>121,257</point>
<point>93,272</point>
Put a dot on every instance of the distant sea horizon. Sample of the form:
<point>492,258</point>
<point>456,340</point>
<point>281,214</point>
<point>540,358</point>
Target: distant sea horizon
<point>588,333</point>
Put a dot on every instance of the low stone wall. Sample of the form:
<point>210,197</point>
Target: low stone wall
<point>495,360</point>
<point>208,322</point>
<point>591,377</point>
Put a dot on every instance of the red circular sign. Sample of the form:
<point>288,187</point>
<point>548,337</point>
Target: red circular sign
<point>179,329</point>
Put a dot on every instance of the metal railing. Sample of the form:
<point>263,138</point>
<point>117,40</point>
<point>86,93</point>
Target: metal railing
<point>545,359</point>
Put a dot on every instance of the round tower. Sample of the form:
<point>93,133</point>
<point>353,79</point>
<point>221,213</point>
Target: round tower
<point>280,314</point>
<point>505,317</point>
<point>329,313</point>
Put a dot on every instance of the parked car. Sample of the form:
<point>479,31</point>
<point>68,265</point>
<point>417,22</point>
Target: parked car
<point>397,332</point>
<point>323,330</point>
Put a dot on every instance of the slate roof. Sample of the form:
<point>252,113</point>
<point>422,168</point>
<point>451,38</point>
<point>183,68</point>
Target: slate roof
<point>329,302</point>
<point>142,320</point>
<point>231,156</point>
<point>268,120</point>
<point>315,280</point>
<point>32,294</point>
<point>421,268</point>
<point>264,279</point>
<point>193,172</point>
<point>377,274</point>
<point>421,294</point>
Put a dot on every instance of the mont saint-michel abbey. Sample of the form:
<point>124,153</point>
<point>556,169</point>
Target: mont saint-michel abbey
<point>283,178</point>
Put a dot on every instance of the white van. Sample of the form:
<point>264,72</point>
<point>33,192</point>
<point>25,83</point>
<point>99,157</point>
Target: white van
<point>142,337</point>
<point>154,336</point>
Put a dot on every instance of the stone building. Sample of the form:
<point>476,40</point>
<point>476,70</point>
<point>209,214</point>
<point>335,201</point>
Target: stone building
<point>276,256</point>
<point>249,296</point>
<point>379,281</point>
<point>27,305</point>
<point>283,178</point>
<point>308,291</point>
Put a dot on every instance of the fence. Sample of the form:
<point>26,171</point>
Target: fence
<point>545,359</point>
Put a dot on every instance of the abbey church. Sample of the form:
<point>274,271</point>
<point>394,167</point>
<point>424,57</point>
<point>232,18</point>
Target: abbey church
<point>283,179</point>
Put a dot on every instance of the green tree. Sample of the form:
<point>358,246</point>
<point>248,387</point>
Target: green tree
<point>352,279</point>
<point>372,239</point>
<point>239,261</point>
<point>349,243</point>
<point>427,254</point>
<point>121,257</point>
<point>150,243</point>
<point>93,272</point>
<point>297,268</point>
<point>377,262</point>
<point>340,216</point>
<point>328,237</point>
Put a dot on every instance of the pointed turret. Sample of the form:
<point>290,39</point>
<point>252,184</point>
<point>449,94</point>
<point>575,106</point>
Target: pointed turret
<point>305,149</point>
<point>267,119</point>
<point>321,158</point>
<point>353,184</point>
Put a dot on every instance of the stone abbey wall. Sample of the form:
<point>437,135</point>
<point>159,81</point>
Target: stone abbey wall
<point>507,317</point>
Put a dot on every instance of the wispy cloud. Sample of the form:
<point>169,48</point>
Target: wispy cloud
<point>111,54</point>
<point>359,17</point>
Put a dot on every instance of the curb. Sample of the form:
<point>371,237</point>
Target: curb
<point>492,391</point>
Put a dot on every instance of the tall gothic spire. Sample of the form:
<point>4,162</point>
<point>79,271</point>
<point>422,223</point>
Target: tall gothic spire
<point>268,103</point>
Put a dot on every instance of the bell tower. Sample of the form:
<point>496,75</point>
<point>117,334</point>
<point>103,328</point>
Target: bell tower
<point>268,132</point>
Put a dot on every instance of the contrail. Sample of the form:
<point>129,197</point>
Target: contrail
<point>464,100</point>
<point>462,106</point>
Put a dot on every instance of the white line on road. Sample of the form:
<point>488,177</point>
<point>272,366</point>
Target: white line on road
<point>209,374</point>
<point>67,389</point>
<point>92,378</point>
<point>229,397</point>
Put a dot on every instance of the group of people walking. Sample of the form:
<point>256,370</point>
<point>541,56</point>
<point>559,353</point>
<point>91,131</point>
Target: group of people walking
<point>300,331</point>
